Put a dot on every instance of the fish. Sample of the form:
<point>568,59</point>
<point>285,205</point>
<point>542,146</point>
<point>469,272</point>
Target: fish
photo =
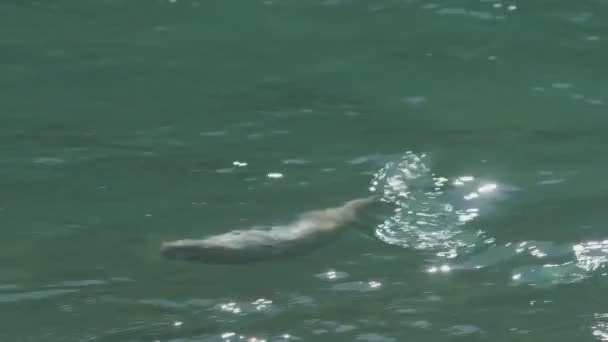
<point>306,232</point>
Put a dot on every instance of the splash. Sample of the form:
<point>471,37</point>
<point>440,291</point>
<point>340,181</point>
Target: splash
<point>426,215</point>
<point>437,215</point>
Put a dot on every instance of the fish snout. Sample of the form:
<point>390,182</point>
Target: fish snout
<point>350,211</point>
<point>360,203</point>
<point>168,250</point>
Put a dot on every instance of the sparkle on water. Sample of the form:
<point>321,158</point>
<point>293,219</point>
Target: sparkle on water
<point>424,217</point>
<point>275,175</point>
<point>427,217</point>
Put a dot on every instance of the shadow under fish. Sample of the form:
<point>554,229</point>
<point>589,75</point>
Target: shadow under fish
<point>308,231</point>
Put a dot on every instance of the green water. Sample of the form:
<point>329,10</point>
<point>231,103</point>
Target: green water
<point>120,122</point>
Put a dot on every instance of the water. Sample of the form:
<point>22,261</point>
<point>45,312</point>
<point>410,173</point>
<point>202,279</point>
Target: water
<point>124,124</point>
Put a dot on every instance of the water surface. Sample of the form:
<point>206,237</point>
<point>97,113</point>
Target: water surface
<point>123,124</point>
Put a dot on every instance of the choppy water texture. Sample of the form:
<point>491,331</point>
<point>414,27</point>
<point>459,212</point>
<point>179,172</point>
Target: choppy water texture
<point>126,123</point>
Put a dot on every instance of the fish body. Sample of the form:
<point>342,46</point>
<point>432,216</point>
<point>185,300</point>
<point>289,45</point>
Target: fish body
<point>308,231</point>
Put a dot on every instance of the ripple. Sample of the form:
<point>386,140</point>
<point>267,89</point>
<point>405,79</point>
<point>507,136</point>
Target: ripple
<point>581,17</point>
<point>320,331</point>
<point>212,134</point>
<point>79,283</point>
<point>66,308</point>
<point>415,100</point>
<point>336,327</point>
<point>465,12</point>
<point>549,177</point>
<point>332,2</point>
<point>225,170</point>
<point>233,336</point>
<point>49,161</point>
<point>371,158</point>
<point>332,275</point>
<point>584,260</point>
<point>595,102</point>
<point>430,6</point>
<point>465,329</point>
<point>439,269</point>
<point>6,287</point>
<point>34,295</point>
<point>421,324</point>
<point>170,304</point>
<point>552,181</point>
<point>163,303</point>
<point>260,305</point>
<point>426,216</point>
<point>562,85</point>
<point>200,302</point>
<point>296,162</point>
<point>249,124</point>
<point>542,249</point>
<point>591,255</point>
<point>539,250</point>
<point>600,326</point>
<point>343,328</point>
<point>559,86</point>
<point>275,175</point>
<point>373,337</point>
<point>433,298</point>
<point>380,257</point>
<point>358,286</point>
<point>547,274</point>
<point>237,163</point>
<point>297,299</point>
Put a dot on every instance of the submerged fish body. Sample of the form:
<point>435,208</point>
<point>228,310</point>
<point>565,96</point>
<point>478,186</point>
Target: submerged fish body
<point>308,231</point>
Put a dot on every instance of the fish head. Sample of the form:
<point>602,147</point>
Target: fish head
<point>349,211</point>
